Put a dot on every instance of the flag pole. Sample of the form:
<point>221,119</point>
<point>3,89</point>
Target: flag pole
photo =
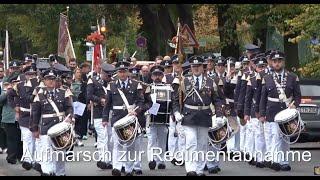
<point>101,51</point>
<point>7,50</point>
<point>74,54</point>
<point>177,41</point>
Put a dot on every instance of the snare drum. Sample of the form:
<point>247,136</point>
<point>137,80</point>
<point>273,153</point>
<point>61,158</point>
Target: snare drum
<point>62,136</point>
<point>220,131</point>
<point>127,128</point>
<point>289,122</point>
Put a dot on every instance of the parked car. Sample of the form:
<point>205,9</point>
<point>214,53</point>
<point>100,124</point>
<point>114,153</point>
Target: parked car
<point>310,108</point>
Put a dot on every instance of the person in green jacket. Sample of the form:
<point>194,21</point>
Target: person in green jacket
<point>11,126</point>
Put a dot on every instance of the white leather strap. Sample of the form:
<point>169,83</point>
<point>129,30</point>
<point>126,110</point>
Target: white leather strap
<point>125,100</point>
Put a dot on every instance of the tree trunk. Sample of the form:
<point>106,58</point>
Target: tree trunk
<point>151,29</point>
<point>227,32</point>
<point>167,29</point>
<point>261,35</point>
<point>292,53</point>
<point>185,15</point>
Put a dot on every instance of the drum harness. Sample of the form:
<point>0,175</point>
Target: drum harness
<point>191,93</point>
<point>137,128</point>
<point>56,114</point>
<point>60,116</point>
<point>280,89</point>
<point>195,91</point>
<point>288,102</point>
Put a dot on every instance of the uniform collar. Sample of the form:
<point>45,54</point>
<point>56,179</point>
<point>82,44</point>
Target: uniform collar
<point>280,73</point>
<point>199,77</point>
<point>221,75</point>
<point>126,82</point>
<point>212,72</point>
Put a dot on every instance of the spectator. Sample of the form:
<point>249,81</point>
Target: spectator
<point>9,122</point>
<point>72,64</point>
<point>158,60</point>
<point>145,75</point>
<point>81,122</point>
<point>3,141</point>
<point>85,69</point>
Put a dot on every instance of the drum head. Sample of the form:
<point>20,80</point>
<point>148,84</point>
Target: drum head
<point>59,128</point>
<point>286,115</point>
<point>218,122</point>
<point>124,121</point>
<point>218,135</point>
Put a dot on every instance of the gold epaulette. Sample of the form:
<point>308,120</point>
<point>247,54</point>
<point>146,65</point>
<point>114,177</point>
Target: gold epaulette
<point>258,77</point>
<point>68,93</point>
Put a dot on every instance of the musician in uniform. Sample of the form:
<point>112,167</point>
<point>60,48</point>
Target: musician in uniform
<point>177,67</point>
<point>176,140</point>
<point>168,70</point>
<point>198,93</point>
<point>269,69</point>
<point>219,79</point>
<point>97,93</point>
<point>230,81</point>
<point>280,90</point>
<point>134,74</point>
<point>220,66</point>
<point>167,65</point>
<point>50,106</point>
<point>158,122</point>
<point>28,60</point>
<point>23,98</point>
<point>243,128</point>
<point>210,70</point>
<point>124,96</point>
<point>248,72</point>
<point>251,110</point>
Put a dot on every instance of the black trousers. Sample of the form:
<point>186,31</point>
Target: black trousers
<point>14,143</point>
<point>3,138</point>
<point>81,124</point>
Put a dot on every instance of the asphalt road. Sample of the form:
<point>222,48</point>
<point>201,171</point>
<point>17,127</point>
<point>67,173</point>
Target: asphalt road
<point>228,168</point>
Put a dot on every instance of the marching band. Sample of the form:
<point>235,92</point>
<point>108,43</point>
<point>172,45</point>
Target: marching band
<point>208,103</point>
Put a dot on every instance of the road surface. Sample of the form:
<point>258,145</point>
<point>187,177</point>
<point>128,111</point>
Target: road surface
<point>228,168</point>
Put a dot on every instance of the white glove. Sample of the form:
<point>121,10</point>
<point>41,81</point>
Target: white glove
<point>220,120</point>
<point>178,116</point>
<point>180,129</point>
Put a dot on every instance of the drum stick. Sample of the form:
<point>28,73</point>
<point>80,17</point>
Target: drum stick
<point>132,110</point>
<point>134,54</point>
<point>65,119</point>
<point>136,108</point>
<point>291,104</point>
<point>228,67</point>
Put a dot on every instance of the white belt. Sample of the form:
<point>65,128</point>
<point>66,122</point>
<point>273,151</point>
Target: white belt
<point>230,100</point>
<point>52,115</point>
<point>123,107</point>
<point>196,107</point>
<point>25,109</point>
<point>288,100</point>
